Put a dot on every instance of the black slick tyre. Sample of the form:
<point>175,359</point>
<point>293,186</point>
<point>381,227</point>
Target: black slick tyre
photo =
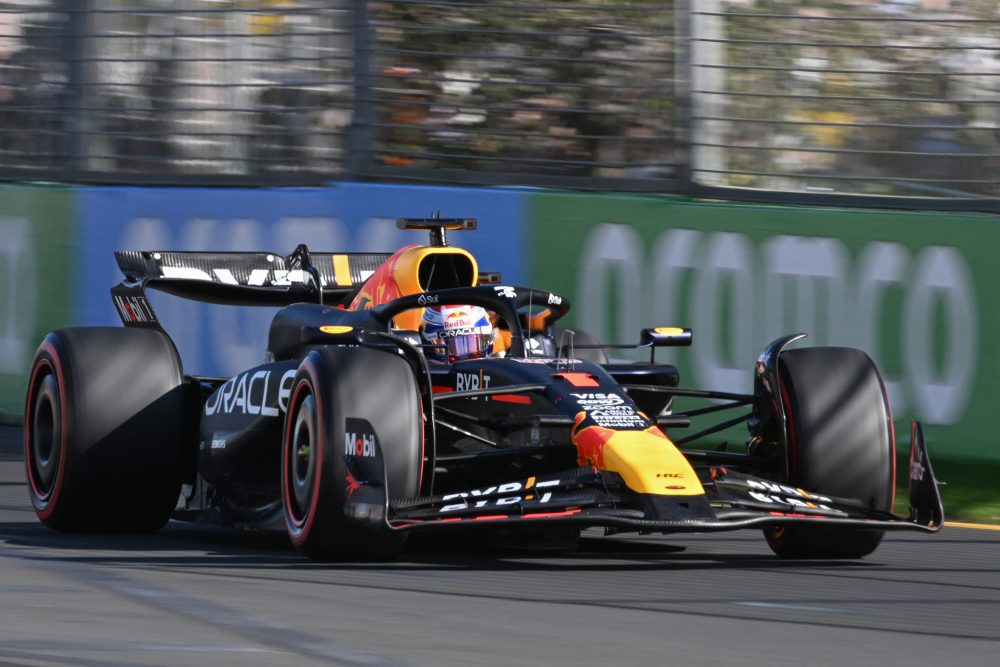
<point>840,443</point>
<point>103,429</point>
<point>344,396</point>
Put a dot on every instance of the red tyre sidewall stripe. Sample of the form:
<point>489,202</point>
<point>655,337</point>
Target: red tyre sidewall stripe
<point>892,443</point>
<point>793,443</point>
<point>423,443</point>
<point>299,531</point>
<point>45,507</point>
<point>296,527</point>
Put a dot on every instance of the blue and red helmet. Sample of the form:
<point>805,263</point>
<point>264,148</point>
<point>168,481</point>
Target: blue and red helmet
<point>457,332</point>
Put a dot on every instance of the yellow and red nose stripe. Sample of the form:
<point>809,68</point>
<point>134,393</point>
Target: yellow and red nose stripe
<point>646,460</point>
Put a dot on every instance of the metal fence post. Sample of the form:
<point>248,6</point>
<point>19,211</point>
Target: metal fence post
<point>360,139</point>
<point>708,87</point>
<point>72,148</point>
<point>682,92</point>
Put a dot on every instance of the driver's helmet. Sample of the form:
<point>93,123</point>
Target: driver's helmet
<point>457,332</point>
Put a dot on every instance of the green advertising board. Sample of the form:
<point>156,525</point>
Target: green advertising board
<point>914,290</point>
<point>35,253</point>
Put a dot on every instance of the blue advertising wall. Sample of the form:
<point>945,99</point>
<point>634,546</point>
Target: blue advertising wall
<point>221,340</point>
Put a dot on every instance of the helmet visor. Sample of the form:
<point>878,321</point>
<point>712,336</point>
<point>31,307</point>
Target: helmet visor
<point>470,346</point>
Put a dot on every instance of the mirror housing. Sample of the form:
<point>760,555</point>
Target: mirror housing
<point>666,337</point>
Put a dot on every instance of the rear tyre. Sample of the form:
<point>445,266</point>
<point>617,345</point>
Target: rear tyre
<point>103,429</point>
<point>337,392</point>
<point>840,443</point>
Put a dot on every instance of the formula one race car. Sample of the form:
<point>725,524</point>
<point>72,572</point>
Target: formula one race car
<point>408,392</point>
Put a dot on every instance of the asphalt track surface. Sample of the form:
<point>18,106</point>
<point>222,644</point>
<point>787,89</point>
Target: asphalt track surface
<point>203,595</point>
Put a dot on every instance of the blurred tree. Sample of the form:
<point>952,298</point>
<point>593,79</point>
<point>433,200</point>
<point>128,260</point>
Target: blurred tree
<point>579,87</point>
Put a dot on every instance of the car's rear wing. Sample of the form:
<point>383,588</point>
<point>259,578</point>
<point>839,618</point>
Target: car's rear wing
<point>259,278</point>
<point>238,278</point>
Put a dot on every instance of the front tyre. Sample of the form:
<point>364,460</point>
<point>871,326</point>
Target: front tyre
<point>840,443</point>
<point>340,394</point>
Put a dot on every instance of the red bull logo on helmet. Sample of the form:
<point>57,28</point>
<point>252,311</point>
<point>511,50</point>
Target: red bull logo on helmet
<point>464,331</point>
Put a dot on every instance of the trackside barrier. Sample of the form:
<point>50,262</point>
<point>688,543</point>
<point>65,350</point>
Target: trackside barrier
<point>36,254</point>
<point>914,290</point>
<point>57,244</point>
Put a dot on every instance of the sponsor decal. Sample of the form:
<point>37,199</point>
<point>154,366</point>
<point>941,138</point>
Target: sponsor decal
<point>555,300</point>
<point>426,299</point>
<point>471,381</point>
<point>257,278</point>
<point>505,291</point>
<point>856,295</point>
<point>917,469</point>
<point>213,341</point>
<point>352,484</point>
<point>134,309</point>
<point>475,498</point>
<point>218,443</point>
<point>538,360</point>
<point>252,393</point>
<point>590,442</point>
<point>591,401</point>
<point>359,438</point>
<point>609,411</point>
<point>618,417</point>
<point>770,492</point>
<point>335,329</point>
<point>380,288</point>
<point>464,331</point>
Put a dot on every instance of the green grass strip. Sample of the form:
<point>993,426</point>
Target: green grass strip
<point>970,489</point>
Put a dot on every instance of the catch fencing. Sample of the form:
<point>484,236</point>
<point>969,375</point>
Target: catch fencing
<point>889,101</point>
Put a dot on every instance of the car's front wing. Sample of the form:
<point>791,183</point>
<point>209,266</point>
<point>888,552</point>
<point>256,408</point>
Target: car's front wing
<point>590,497</point>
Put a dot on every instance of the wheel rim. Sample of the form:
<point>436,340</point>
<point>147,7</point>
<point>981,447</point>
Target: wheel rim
<point>44,437</point>
<point>300,458</point>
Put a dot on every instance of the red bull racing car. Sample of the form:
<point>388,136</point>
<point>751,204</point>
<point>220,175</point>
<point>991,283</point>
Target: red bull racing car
<point>409,392</point>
